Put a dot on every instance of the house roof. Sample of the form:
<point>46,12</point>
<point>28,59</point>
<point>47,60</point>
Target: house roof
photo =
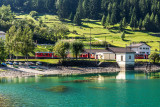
<point>95,50</point>
<point>120,50</point>
<point>137,45</point>
<point>110,49</point>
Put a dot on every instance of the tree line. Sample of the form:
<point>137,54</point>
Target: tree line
<point>29,5</point>
<point>139,14</point>
<point>41,32</point>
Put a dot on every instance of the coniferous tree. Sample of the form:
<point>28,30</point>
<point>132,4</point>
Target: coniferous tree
<point>113,19</point>
<point>85,6</point>
<point>153,28</point>
<point>107,20</point>
<point>103,20</point>
<point>80,9</point>
<point>156,22</point>
<point>77,19</point>
<point>146,22</point>
<point>124,23</point>
<point>140,24</point>
<point>71,17</point>
<point>121,26</point>
<point>133,22</point>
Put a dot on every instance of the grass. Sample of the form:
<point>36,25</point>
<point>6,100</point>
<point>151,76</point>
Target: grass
<point>51,61</point>
<point>98,33</point>
<point>142,60</point>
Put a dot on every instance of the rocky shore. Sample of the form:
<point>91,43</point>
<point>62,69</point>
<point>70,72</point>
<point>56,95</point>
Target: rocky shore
<point>26,71</point>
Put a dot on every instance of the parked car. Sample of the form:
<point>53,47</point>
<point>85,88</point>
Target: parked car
<point>4,64</point>
<point>31,63</point>
<point>10,63</point>
<point>20,63</point>
<point>7,62</point>
<point>38,63</point>
<point>27,63</point>
<point>15,63</point>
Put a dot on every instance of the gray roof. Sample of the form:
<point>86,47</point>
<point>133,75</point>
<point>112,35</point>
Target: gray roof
<point>95,50</point>
<point>137,45</point>
<point>111,49</point>
<point>120,50</point>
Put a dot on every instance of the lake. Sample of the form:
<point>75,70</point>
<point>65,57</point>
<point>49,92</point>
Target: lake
<point>122,90</point>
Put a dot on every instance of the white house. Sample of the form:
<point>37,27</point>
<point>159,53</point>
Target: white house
<point>2,34</point>
<point>125,57</point>
<point>141,48</point>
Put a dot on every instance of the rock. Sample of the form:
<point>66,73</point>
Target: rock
<point>80,81</point>
<point>99,88</point>
<point>60,88</point>
<point>155,77</point>
<point>4,102</point>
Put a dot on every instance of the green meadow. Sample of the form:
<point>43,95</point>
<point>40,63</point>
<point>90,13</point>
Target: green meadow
<point>98,34</point>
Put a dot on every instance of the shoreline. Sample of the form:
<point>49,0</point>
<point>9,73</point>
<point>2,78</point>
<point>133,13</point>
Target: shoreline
<point>25,71</point>
<point>53,71</point>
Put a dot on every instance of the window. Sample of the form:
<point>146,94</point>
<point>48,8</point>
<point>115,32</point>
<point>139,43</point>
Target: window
<point>130,57</point>
<point>121,58</point>
<point>140,48</point>
<point>143,48</point>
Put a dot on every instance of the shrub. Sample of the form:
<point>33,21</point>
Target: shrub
<point>33,13</point>
<point>154,57</point>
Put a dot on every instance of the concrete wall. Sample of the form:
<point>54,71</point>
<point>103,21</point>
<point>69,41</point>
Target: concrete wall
<point>106,56</point>
<point>125,60</point>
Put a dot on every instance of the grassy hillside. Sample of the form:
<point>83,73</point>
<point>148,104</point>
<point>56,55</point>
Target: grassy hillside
<point>98,33</point>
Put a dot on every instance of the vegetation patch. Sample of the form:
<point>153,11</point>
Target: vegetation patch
<point>98,88</point>
<point>81,81</point>
<point>60,88</point>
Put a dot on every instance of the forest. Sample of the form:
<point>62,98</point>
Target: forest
<point>138,14</point>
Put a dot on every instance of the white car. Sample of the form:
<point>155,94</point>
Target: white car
<point>15,63</point>
<point>38,63</point>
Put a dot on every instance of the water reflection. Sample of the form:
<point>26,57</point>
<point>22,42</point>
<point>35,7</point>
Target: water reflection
<point>100,78</point>
<point>20,80</point>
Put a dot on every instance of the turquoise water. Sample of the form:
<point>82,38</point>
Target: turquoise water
<point>120,90</point>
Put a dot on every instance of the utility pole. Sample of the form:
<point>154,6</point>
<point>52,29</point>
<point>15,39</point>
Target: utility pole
<point>73,26</point>
<point>159,47</point>
<point>105,42</point>
<point>90,45</point>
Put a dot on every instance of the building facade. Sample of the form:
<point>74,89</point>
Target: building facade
<point>126,59</point>
<point>105,55</point>
<point>141,48</point>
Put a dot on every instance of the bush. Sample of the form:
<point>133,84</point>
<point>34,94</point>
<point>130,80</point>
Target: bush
<point>75,32</point>
<point>154,57</point>
<point>33,13</point>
